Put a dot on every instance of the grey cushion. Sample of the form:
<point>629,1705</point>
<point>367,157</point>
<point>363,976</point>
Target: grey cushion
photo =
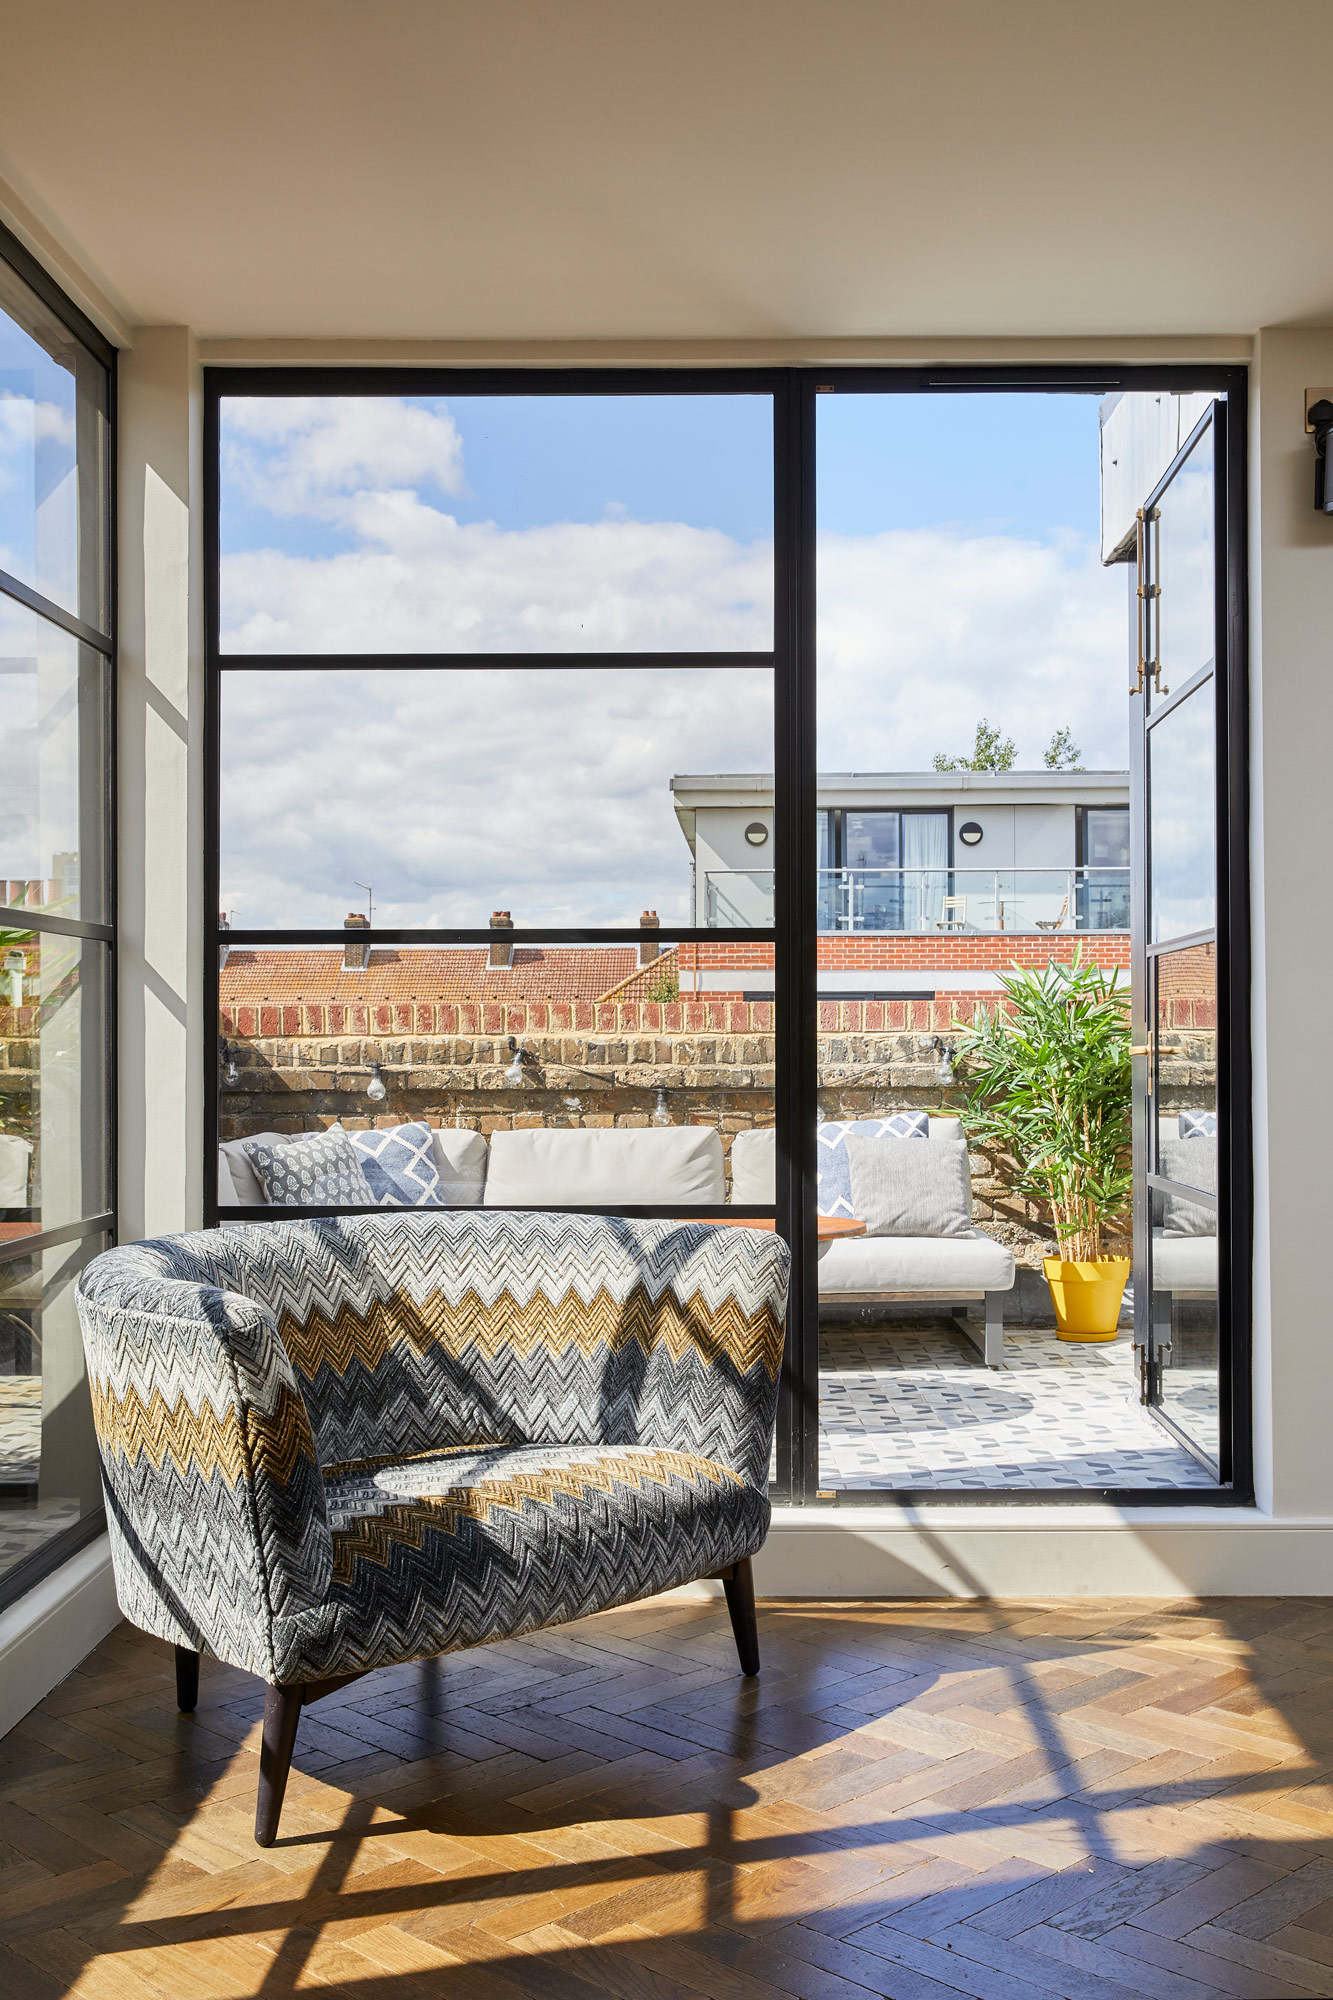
<point>460,1161</point>
<point>314,1170</point>
<point>1193,1162</point>
<point>902,1190</point>
<point>872,1265</point>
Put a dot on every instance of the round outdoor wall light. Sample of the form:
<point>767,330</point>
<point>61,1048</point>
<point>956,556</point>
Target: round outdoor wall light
<point>756,833</point>
<point>970,835</point>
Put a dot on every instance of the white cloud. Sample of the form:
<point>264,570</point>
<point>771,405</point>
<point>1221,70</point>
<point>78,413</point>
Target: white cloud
<point>922,632</point>
<point>316,455</point>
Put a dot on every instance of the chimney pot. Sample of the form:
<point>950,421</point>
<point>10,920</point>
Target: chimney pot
<point>356,957</point>
<point>648,947</point>
<point>502,948</point>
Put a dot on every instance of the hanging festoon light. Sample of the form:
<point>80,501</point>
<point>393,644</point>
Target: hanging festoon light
<point>661,1109</point>
<point>376,1090</point>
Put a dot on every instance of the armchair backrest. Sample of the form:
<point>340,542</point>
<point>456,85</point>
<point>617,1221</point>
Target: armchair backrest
<point>410,1329</point>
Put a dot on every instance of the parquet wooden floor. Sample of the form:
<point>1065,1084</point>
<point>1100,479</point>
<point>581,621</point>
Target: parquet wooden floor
<point>1093,1799</point>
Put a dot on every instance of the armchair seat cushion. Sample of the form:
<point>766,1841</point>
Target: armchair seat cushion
<point>452,1548</point>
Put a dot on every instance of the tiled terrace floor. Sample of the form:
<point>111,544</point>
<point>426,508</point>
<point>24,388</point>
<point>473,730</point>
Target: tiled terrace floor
<point>913,1405</point>
<point>1093,1800</point>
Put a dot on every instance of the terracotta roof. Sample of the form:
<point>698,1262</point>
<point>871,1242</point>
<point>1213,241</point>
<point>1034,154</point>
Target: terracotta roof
<point>645,979</point>
<point>317,976</point>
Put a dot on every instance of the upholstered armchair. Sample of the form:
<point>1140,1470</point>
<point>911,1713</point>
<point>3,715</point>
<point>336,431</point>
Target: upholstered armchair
<point>329,1446</point>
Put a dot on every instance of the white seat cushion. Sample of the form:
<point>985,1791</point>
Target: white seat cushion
<point>1184,1263</point>
<point>606,1166</point>
<point>915,1264</point>
<point>14,1156</point>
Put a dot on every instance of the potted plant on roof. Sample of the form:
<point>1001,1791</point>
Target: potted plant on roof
<point>1047,1082</point>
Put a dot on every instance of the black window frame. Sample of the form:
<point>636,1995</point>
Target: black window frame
<point>100,640</point>
<point>794,933</point>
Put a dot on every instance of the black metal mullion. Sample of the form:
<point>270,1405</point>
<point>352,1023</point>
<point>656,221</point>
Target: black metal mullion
<point>55,614</point>
<point>1235,1148</point>
<point>304,663</point>
<point>512,379</point>
<point>796,863</point>
<point>212,806</point>
<point>528,934</point>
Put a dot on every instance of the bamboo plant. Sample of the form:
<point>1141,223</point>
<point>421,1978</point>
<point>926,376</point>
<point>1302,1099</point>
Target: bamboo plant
<point>1047,1083</point>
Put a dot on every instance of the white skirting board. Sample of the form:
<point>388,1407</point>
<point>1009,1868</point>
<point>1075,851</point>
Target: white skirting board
<point>874,1552</point>
<point>1043,1551</point>
<point>52,1627</point>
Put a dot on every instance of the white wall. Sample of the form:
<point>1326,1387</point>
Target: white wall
<point>1291,594</point>
<point>161,785</point>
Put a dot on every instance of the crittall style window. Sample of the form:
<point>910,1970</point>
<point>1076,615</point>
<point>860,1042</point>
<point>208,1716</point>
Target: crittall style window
<point>629,791</point>
<point>56,905</point>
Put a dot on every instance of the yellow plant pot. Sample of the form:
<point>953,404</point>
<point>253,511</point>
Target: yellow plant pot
<point>1087,1296</point>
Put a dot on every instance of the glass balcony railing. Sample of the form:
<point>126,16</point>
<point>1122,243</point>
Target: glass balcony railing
<point>930,901</point>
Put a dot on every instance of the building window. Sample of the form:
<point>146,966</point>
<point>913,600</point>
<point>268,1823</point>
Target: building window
<point>1103,868</point>
<point>56,909</point>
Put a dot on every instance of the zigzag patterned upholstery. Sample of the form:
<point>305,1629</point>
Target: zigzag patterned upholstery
<point>332,1445</point>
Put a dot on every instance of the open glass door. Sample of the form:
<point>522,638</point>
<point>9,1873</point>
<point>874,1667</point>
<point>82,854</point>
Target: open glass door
<point>1180,1127</point>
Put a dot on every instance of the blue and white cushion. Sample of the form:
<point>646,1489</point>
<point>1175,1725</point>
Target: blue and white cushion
<point>400,1166</point>
<point>835,1176</point>
<point>1197,1125</point>
<point>316,1170</point>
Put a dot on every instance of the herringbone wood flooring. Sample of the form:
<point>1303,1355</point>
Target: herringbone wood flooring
<point>1098,1800</point>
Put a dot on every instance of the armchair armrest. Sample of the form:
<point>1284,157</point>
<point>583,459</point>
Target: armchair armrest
<point>215,1503</point>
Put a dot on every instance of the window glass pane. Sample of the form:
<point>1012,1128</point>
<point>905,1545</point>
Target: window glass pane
<point>53,750</point>
<point>1181,818</point>
<point>562,796</point>
<point>480,1043</point>
<point>54,1129</point>
<point>53,443</point>
<point>1186,570</point>
<point>497,523</point>
<point>1186,1057</point>
<point>1185,1327</point>
<point>48,1455</point>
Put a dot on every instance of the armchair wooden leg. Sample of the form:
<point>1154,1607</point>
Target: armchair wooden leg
<point>187,1680</point>
<point>282,1712</point>
<point>738,1583</point>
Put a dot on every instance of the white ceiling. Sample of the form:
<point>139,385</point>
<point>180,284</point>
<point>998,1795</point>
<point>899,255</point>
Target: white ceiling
<point>752,169</point>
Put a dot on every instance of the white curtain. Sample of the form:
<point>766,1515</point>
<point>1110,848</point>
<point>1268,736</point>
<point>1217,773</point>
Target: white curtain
<point>926,858</point>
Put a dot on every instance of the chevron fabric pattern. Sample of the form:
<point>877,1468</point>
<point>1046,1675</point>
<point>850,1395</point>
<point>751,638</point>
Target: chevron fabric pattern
<point>336,1444</point>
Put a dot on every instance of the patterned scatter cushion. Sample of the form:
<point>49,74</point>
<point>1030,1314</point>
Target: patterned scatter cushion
<point>399,1164</point>
<point>1198,1125</point>
<point>318,1170</point>
<point>835,1184</point>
